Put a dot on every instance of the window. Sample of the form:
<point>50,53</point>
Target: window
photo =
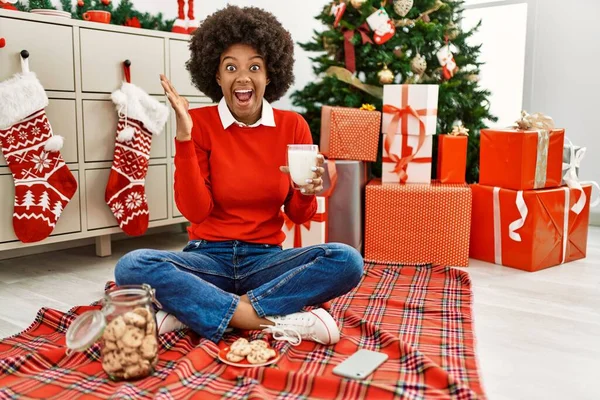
<point>503,38</point>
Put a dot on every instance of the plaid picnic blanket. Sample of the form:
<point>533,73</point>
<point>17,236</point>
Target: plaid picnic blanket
<point>419,316</point>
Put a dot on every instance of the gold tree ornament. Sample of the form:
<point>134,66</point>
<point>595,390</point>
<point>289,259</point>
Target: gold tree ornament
<point>357,3</point>
<point>418,64</point>
<point>402,7</point>
<point>385,76</point>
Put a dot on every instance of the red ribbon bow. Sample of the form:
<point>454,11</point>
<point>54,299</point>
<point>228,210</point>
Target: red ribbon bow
<point>349,53</point>
<point>407,155</point>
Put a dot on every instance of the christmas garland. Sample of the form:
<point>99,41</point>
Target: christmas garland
<point>123,14</point>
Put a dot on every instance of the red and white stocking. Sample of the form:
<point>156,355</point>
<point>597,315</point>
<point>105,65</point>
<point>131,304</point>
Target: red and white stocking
<point>43,183</point>
<point>180,25</point>
<point>382,26</point>
<point>140,116</point>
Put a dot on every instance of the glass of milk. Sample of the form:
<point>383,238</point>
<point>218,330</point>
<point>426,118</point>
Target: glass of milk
<point>301,159</point>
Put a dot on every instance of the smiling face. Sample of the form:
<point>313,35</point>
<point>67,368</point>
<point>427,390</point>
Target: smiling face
<point>242,76</point>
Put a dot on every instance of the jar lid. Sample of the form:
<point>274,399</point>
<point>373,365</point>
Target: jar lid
<point>85,330</point>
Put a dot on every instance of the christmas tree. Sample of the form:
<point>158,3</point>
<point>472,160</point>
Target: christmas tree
<point>352,67</point>
<point>39,4</point>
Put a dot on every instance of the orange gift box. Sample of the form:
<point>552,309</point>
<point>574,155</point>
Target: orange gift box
<point>452,158</point>
<point>349,133</point>
<point>417,223</point>
<point>521,160</point>
<point>529,230</point>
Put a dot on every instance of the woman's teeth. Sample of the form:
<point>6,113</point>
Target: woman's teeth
<point>243,95</point>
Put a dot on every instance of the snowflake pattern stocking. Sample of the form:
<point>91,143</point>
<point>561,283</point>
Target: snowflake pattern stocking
<point>43,183</point>
<point>140,116</point>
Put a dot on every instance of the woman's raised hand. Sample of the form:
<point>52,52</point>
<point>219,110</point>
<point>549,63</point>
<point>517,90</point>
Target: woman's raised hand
<point>180,106</point>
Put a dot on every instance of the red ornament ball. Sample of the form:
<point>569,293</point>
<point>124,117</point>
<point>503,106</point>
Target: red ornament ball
<point>80,3</point>
<point>106,2</point>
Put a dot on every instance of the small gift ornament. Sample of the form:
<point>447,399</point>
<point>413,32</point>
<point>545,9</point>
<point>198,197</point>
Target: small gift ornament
<point>338,10</point>
<point>382,25</point>
<point>446,59</point>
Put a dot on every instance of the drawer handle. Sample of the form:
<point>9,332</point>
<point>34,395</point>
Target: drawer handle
<point>2,42</point>
<point>24,54</point>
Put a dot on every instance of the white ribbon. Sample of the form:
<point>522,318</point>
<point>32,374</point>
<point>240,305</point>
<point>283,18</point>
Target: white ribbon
<point>565,237</point>
<point>497,228</point>
<point>570,176</point>
<point>518,224</point>
<point>595,184</point>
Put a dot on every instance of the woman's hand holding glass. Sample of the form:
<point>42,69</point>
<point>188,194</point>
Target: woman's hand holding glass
<point>305,167</point>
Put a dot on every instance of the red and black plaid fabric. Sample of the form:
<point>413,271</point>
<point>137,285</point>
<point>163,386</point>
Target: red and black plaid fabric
<point>419,316</point>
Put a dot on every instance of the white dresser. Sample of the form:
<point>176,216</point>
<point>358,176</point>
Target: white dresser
<point>79,64</point>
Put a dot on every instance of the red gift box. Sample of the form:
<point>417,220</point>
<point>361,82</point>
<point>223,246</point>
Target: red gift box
<point>417,223</point>
<point>529,230</point>
<point>349,133</point>
<point>521,160</point>
<point>452,158</point>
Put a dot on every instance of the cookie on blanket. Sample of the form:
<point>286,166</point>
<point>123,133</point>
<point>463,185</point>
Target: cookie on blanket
<point>240,347</point>
<point>260,355</point>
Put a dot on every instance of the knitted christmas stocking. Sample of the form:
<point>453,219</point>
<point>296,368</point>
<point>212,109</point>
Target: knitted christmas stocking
<point>140,116</point>
<point>180,25</point>
<point>43,183</point>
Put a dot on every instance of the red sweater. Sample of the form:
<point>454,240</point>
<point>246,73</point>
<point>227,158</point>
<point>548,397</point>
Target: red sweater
<point>228,183</point>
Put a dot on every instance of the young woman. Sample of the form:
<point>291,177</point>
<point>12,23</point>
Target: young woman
<point>230,183</point>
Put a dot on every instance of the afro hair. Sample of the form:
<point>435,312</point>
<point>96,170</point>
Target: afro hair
<point>251,26</point>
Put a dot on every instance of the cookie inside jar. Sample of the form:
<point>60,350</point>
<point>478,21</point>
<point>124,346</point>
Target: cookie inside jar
<point>125,329</point>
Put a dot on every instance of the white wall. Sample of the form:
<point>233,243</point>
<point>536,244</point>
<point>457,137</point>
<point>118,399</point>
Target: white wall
<point>296,17</point>
<point>563,78</point>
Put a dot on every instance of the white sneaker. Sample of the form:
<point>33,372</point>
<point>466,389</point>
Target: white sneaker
<point>167,322</point>
<point>316,325</point>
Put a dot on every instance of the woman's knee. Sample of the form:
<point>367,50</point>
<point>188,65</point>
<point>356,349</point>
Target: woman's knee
<point>352,260</point>
<point>133,266</point>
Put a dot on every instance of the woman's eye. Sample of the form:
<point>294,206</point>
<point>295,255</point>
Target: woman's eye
<point>230,68</point>
<point>254,68</point>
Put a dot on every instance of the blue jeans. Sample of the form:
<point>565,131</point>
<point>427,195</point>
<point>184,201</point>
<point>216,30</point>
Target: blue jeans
<point>202,284</point>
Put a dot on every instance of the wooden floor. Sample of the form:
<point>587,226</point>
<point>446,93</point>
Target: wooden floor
<point>538,335</point>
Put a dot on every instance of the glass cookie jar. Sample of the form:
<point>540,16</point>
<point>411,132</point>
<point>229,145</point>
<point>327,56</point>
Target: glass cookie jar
<point>126,328</point>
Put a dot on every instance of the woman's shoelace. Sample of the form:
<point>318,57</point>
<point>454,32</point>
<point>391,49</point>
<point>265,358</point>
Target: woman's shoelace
<point>288,334</point>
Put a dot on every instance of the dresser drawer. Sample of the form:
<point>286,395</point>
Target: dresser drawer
<point>99,131</point>
<point>99,214</point>
<point>176,212</point>
<point>180,77</point>
<point>102,56</point>
<point>50,48</point>
<point>61,114</point>
<point>69,221</point>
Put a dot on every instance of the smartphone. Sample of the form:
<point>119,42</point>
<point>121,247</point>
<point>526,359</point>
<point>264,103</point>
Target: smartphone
<point>360,364</point>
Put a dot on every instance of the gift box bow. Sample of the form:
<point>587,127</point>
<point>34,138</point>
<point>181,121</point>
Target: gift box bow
<point>407,155</point>
<point>572,180</point>
<point>542,124</point>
